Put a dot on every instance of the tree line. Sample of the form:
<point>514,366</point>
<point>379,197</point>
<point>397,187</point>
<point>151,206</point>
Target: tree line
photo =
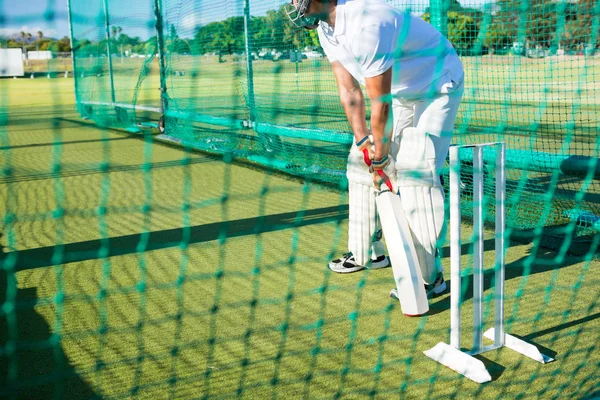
<point>542,24</point>
<point>38,42</point>
<point>535,23</point>
<point>273,31</point>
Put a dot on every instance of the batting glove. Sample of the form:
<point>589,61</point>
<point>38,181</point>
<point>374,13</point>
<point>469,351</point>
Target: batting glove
<point>382,170</point>
<point>365,146</point>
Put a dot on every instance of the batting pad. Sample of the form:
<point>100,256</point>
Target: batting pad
<point>363,223</point>
<point>422,196</point>
<point>356,169</point>
<point>424,209</point>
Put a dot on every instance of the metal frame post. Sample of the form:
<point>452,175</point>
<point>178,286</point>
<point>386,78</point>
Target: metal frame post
<point>73,63</point>
<point>249,71</point>
<point>110,66</point>
<point>160,44</point>
<point>439,15</point>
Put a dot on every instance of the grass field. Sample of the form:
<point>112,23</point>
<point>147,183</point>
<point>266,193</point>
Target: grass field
<point>140,270</point>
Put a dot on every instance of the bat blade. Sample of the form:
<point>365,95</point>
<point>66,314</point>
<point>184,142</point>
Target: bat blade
<point>401,249</point>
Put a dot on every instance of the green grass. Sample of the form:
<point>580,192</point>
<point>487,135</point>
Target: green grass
<point>245,306</point>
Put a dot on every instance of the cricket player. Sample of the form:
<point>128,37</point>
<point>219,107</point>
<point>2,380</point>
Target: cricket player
<point>414,80</point>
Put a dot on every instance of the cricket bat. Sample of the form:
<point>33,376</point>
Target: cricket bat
<point>401,249</point>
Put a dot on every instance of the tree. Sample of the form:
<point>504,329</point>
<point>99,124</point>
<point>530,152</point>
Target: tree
<point>223,37</point>
<point>314,39</point>
<point>40,36</point>
<point>497,38</point>
<point>175,44</point>
<point>533,21</point>
<point>173,33</point>
<point>462,30</point>
<point>64,44</point>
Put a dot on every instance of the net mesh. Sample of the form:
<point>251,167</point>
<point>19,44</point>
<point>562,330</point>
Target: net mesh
<point>534,88</point>
<point>177,246</point>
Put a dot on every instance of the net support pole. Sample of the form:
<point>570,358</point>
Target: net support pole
<point>439,17</point>
<point>269,142</point>
<point>249,72</point>
<point>110,66</point>
<point>73,62</point>
<point>160,45</point>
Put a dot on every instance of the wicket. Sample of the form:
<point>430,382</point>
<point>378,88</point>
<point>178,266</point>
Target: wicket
<point>451,355</point>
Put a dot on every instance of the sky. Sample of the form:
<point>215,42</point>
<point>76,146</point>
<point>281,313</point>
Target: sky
<point>51,17</point>
<point>32,15</point>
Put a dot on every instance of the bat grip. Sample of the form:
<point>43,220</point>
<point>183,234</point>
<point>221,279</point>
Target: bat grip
<point>386,179</point>
<point>382,175</point>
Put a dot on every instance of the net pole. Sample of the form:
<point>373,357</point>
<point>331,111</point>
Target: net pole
<point>110,66</point>
<point>439,18</point>
<point>160,44</point>
<point>249,72</point>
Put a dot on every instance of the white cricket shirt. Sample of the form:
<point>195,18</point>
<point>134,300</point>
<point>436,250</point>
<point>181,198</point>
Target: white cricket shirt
<point>370,36</point>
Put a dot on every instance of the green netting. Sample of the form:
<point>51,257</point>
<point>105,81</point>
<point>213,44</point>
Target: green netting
<point>177,248</point>
<point>530,70</point>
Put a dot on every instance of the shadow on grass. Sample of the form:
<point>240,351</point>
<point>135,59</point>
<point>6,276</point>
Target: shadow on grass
<point>561,326</point>
<point>543,260</point>
<point>38,368</point>
<point>592,395</point>
<point>543,349</point>
<point>62,143</point>
<point>42,368</point>
<point>495,369</point>
<point>129,244</point>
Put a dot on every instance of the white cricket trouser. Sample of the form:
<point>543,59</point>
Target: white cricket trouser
<point>434,118</point>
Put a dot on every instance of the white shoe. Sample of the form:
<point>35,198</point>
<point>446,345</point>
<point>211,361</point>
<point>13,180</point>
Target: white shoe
<point>433,290</point>
<point>347,264</point>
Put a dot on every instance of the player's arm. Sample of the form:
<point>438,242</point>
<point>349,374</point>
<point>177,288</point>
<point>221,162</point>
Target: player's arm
<point>379,88</point>
<point>352,100</point>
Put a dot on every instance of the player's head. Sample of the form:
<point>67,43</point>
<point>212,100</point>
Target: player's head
<point>306,13</point>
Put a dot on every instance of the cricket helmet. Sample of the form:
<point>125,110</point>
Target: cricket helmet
<point>296,11</point>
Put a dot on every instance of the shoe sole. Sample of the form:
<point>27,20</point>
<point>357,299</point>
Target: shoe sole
<point>438,290</point>
<point>345,270</point>
<point>381,264</point>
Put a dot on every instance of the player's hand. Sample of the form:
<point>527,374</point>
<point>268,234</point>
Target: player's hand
<point>382,170</point>
<point>365,146</point>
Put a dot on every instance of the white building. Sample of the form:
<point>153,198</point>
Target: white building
<point>38,55</point>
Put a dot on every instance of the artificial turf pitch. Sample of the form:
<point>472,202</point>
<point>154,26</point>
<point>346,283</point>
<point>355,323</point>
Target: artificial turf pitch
<point>137,269</point>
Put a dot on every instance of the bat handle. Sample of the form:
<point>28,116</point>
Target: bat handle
<point>382,175</point>
<point>386,179</point>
